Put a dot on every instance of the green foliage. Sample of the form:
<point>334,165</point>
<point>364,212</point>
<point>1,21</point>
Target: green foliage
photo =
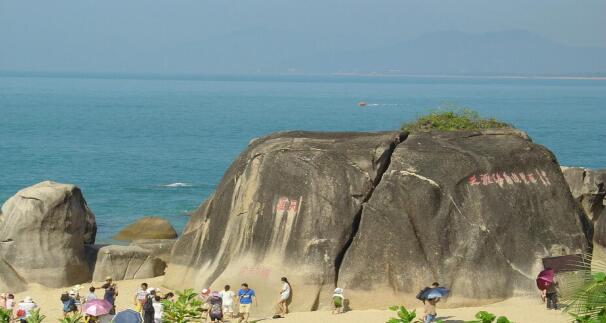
<point>486,317</point>
<point>404,315</point>
<point>186,308</point>
<point>72,318</point>
<point>5,315</point>
<point>35,317</point>
<point>453,120</point>
<point>584,298</point>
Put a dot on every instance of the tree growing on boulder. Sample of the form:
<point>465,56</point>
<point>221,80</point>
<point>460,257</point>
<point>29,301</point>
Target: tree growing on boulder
<point>453,120</point>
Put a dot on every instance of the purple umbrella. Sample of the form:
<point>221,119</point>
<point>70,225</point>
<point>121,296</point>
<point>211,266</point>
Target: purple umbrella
<point>97,307</point>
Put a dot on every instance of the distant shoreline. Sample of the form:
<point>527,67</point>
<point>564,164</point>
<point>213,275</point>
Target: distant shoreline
<point>249,77</point>
<point>448,76</point>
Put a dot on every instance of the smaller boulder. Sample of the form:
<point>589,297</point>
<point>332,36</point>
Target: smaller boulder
<point>149,227</point>
<point>124,262</point>
<point>160,248</point>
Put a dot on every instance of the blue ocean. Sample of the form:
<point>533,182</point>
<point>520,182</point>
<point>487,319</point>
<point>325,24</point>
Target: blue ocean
<point>142,146</point>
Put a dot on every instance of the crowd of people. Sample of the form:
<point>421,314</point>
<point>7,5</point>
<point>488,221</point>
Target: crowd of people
<point>217,306</point>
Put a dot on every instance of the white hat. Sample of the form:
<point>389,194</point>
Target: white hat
<point>338,290</point>
<point>28,299</point>
<point>72,292</point>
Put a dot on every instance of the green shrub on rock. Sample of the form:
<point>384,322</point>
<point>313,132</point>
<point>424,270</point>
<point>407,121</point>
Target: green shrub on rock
<point>453,120</point>
<point>486,317</point>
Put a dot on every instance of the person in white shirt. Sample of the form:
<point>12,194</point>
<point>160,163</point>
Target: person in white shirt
<point>284,298</point>
<point>141,297</point>
<point>158,309</point>
<point>91,295</point>
<point>227,296</point>
<point>26,307</point>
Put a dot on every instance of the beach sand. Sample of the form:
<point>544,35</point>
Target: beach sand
<point>518,309</point>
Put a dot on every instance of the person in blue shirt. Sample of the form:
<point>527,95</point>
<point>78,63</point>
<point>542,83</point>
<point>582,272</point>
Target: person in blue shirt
<point>246,297</point>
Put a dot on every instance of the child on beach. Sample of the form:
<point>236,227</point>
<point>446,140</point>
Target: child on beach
<point>227,296</point>
<point>338,300</point>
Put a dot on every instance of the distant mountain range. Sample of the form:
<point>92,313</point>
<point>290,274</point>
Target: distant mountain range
<point>513,52</point>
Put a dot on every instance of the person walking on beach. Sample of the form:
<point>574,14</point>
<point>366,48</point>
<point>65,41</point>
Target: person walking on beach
<point>246,297</point>
<point>148,307</point>
<point>69,304</point>
<point>227,297</point>
<point>551,295</point>
<point>215,312</point>
<point>430,310</point>
<point>285,292</point>
<point>91,295</point>
<point>24,308</point>
<point>338,301</point>
<point>158,309</point>
<point>141,297</point>
<point>111,292</point>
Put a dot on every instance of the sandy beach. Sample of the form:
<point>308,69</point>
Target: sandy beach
<point>523,309</point>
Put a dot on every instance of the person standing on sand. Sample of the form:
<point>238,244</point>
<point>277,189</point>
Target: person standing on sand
<point>91,295</point>
<point>551,295</point>
<point>246,296</point>
<point>284,298</point>
<point>23,310</point>
<point>338,301</point>
<point>430,310</point>
<point>141,297</point>
<point>110,295</point>
<point>227,296</point>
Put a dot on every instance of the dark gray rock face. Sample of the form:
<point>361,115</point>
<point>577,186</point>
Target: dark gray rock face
<point>475,212</point>
<point>381,214</point>
<point>286,207</point>
<point>43,232</point>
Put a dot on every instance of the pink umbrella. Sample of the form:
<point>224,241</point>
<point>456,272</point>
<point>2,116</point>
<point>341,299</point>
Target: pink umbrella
<point>545,279</point>
<point>97,307</point>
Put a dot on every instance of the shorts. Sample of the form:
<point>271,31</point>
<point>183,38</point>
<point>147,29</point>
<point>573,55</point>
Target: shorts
<point>213,317</point>
<point>430,318</point>
<point>284,297</point>
<point>228,308</point>
<point>244,308</point>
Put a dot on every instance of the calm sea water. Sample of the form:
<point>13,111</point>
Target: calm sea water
<point>125,141</point>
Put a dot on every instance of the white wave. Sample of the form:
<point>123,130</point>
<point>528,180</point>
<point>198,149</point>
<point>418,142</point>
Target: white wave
<point>178,185</point>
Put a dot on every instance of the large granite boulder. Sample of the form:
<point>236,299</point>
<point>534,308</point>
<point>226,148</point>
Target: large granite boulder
<point>381,214</point>
<point>43,230</point>
<point>160,248</point>
<point>588,187</point>
<point>475,211</point>
<point>149,227</point>
<point>286,207</point>
<point>124,262</point>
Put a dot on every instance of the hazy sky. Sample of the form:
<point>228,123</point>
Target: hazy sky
<point>171,36</point>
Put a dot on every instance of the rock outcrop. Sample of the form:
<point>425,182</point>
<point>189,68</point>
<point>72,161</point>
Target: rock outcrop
<point>149,227</point>
<point>286,207</point>
<point>381,213</point>
<point>475,212</point>
<point>124,262</point>
<point>160,248</point>
<point>588,187</point>
<point>43,231</point>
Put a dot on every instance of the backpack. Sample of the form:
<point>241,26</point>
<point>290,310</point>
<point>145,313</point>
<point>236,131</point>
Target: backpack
<point>420,294</point>
<point>215,306</point>
<point>148,307</point>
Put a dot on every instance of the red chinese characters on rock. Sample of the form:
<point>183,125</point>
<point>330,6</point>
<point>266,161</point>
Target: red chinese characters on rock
<point>510,178</point>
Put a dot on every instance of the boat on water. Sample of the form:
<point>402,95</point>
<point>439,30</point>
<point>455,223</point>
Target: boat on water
<point>362,104</point>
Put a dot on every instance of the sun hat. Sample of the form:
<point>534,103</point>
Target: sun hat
<point>108,278</point>
<point>72,293</point>
<point>338,290</point>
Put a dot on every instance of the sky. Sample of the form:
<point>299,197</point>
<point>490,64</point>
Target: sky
<point>180,36</point>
